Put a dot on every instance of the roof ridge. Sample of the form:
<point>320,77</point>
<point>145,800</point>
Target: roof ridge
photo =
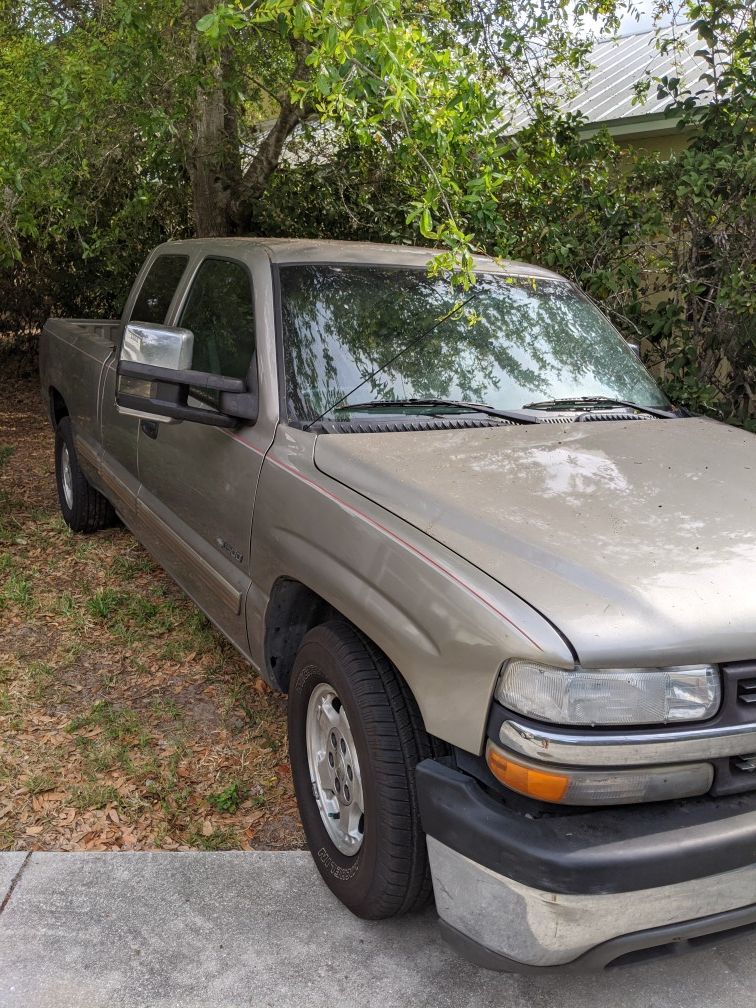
<point>642,31</point>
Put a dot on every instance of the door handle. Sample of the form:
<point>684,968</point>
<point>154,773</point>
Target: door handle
<point>150,428</point>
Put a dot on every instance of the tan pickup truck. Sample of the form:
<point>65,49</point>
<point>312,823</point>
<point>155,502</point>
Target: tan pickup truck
<point>509,589</point>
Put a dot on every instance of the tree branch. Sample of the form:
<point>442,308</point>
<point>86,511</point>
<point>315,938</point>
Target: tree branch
<point>256,176</point>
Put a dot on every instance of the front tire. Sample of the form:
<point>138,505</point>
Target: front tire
<point>84,509</point>
<point>355,738</point>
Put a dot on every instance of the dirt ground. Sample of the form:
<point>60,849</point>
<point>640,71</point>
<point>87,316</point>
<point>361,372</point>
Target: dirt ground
<point>126,721</point>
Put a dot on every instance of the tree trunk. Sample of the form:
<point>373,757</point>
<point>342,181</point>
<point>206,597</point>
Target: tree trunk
<point>213,154</point>
<point>263,164</point>
<point>223,195</point>
<point>210,197</point>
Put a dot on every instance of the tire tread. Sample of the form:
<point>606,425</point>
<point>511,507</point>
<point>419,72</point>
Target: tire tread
<point>91,511</point>
<point>398,742</point>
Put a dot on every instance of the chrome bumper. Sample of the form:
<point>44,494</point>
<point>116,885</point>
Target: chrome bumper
<point>580,749</point>
<point>530,928</point>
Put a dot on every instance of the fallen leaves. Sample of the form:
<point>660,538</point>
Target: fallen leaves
<point>121,710</point>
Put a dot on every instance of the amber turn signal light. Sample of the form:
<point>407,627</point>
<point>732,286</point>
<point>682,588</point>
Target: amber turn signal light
<point>534,783</point>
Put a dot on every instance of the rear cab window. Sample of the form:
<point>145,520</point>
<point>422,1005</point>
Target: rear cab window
<point>157,290</point>
<point>219,311</point>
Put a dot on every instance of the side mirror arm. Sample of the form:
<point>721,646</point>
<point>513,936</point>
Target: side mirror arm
<point>176,411</point>
<point>236,401</point>
<point>199,379</point>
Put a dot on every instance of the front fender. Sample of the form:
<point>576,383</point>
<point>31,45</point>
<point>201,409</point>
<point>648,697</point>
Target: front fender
<point>445,624</point>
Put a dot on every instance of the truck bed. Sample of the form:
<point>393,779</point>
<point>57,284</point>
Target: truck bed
<point>75,368</point>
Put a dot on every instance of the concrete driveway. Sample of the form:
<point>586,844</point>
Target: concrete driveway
<point>226,930</point>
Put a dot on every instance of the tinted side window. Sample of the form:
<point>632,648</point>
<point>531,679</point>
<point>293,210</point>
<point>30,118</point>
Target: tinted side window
<point>220,313</point>
<point>154,298</point>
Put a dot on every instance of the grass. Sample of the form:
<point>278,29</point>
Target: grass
<point>105,757</point>
<point>103,604</point>
<point>121,733</point>
<point>38,783</point>
<point>94,796</point>
<point>118,723</point>
<point>229,798</point>
<point>126,721</point>
<point>167,709</point>
<point>126,565</point>
<point>17,590</point>
<point>223,838</point>
<point>42,681</point>
<point>131,616</point>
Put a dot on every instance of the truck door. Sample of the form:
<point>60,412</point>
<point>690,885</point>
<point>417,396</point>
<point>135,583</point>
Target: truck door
<point>198,482</point>
<point>150,301</point>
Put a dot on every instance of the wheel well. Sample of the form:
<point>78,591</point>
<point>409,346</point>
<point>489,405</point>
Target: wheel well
<point>293,609</point>
<point>58,408</point>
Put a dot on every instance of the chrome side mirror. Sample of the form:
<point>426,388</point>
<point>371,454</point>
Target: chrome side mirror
<point>158,346</point>
<point>145,347</point>
<point>155,377</point>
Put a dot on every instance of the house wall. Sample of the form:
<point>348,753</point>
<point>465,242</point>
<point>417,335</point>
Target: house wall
<point>666,143</point>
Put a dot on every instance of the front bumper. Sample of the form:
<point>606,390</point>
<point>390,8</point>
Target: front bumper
<point>585,889</point>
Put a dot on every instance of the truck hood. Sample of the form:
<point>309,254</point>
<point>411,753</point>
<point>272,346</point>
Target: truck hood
<point>637,539</point>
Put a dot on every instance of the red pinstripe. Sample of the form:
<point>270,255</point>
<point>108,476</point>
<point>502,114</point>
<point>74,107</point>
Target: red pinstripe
<point>392,535</point>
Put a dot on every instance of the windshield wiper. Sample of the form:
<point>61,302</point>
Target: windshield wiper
<point>464,407</point>
<point>585,402</point>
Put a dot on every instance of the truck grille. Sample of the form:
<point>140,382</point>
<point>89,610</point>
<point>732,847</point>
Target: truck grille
<point>747,692</point>
<point>745,764</point>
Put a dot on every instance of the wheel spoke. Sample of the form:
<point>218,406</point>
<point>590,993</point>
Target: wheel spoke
<point>66,476</point>
<point>331,805</point>
<point>356,789</point>
<point>353,822</point>
<point>321,763</point>
<point>327,713</point>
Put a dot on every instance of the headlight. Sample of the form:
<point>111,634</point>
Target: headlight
<point>630,696</point>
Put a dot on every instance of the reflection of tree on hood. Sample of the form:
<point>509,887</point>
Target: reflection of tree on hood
<point>522,339</point>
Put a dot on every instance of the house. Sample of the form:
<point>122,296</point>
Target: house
<point>606,98</point>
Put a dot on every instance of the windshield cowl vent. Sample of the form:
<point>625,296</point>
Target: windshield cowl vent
<point>460,422</point>
<point>589,417</point>
<point>410,424</point>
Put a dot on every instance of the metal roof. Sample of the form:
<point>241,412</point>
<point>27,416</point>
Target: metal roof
<point>618,64</point>
<point>606,95</point>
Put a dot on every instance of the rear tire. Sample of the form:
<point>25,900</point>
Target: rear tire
<point>343,688</point>
<point>84,509</point>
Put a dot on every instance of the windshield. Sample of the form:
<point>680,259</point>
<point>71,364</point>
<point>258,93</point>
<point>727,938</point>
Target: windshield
<point>515,341</point>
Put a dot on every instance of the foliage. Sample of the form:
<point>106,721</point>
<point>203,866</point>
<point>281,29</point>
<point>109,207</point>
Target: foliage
<point>702,325</point>
<point>123,123</point>
<point>665,246</point>
<point>396,123</point>
<point>86,177</point>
